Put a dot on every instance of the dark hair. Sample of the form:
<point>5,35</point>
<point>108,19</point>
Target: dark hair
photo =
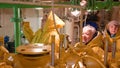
<point>92,17</point>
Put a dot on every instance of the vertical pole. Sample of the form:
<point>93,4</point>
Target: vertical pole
<point>61,45</point>
<point>17,33</point>
<point>53,51</point>
<point>106,51</point>
<point>81,24</point>
<point>113,49</point>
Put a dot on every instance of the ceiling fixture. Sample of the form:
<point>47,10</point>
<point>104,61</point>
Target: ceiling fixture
<point>76,13</point>
<point>39,8</point>
<point>83,3</point>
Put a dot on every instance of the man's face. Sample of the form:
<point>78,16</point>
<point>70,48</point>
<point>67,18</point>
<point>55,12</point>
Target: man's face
<point>86,36</point>
<point>113,29</point>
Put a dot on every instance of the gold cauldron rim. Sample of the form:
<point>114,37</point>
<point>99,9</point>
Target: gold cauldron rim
<point>33,49</point>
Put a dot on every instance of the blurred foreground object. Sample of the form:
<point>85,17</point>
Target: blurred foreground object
<point>32,56</point>
<point>4,55</point>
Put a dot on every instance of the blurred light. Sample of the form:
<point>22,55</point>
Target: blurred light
<point>38,8</point>
<point>75,13</point>
<point>83,3</point>
<point>96,7</point>
<point>89,10</point>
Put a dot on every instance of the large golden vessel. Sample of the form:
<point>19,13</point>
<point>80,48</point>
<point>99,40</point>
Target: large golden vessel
<point>32,56</point>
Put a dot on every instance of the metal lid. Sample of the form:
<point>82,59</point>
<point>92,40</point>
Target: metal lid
<point>33,49</point>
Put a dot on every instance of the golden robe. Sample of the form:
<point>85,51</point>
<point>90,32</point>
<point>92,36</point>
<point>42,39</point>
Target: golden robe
<point>84,52</point>
<point>94,47</point>
<point>110,41</point>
